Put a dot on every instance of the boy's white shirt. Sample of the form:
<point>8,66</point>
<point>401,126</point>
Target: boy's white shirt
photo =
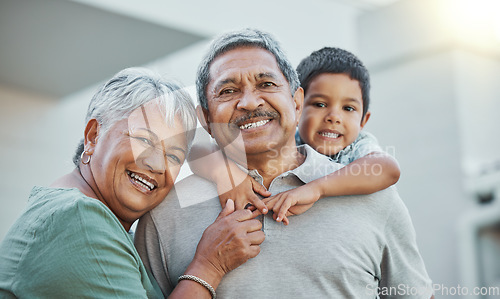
<point>365,144</point>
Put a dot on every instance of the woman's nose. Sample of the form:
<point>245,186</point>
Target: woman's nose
<point>153,159</point>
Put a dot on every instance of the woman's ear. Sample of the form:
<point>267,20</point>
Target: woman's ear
<point>91,135</point>
<point>202,115</point>
<point>365,119</point>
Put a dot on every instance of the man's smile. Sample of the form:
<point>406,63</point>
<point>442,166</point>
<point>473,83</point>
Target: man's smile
<point>255,119</point>
<point>254,124</point>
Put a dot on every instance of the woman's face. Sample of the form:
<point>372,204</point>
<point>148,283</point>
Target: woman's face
<point>135,164</point>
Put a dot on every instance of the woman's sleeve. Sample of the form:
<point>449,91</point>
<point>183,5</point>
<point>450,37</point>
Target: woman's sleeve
<point>92,256</point>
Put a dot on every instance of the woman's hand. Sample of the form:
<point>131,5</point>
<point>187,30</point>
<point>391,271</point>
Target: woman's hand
<point>244,193</point>
<point>230,241</point>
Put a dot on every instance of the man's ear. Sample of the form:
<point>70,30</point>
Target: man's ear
<point>298,99</point>
<point>91,135</point>
<point>202,115</point>
<point>365,119</point>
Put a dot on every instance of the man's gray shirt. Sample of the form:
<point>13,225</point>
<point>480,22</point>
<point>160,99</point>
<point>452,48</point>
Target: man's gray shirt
<point>342,247</point>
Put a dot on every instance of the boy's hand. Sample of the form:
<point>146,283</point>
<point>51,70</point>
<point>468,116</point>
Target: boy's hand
<point>245,193</point>
<point>292,202</point>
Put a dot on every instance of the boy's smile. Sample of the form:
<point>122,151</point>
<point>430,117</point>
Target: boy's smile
<point>333,113</point>
<point>330,134</point>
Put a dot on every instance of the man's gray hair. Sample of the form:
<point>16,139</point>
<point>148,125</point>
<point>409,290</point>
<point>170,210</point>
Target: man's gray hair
<point>237,39</point>
<point>131,88</point>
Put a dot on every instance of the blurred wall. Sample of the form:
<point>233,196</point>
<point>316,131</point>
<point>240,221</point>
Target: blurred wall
<point>25,149</point>
<point>434,102</point>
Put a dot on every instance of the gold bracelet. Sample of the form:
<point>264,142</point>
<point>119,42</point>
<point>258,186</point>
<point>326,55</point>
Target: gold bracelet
<point>200,281</point>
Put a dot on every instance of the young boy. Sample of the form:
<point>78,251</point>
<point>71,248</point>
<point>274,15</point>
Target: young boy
<point>336,88</point>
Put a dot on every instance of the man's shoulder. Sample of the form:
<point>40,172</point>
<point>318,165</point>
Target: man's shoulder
<point>388,203</point>
<point>386,197</point>
<point>189,208</point>
<point>190,191</point>
<point>380,205</point>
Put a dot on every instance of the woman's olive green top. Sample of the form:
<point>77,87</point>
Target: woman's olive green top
<point>68,245</point>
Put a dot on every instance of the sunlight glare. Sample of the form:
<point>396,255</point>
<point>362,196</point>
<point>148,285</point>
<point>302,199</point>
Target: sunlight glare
<point>473,20</point>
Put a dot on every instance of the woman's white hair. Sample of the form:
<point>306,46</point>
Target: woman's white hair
<point>131,88</point>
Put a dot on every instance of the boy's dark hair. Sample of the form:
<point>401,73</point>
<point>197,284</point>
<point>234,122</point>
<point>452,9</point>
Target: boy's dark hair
<point>335,61</point>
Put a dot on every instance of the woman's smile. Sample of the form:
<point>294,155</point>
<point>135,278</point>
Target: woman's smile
<point>142,182</point>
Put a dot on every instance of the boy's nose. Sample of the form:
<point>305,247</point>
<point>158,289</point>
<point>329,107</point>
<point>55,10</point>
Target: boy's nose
<point>333,117</point>
<point>249,101</point>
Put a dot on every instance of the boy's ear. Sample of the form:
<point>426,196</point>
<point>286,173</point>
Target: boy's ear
<point>298,99</point>
<point>91,135</point>
<point>202,115</point>
<point>365,119</point>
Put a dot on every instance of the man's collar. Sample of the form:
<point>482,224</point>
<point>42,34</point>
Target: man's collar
<point>315,166</point>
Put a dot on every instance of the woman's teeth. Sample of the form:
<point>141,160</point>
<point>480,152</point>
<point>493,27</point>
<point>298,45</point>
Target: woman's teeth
<point>254,125</point>
<point>140,180</point>
<point>329,135</point>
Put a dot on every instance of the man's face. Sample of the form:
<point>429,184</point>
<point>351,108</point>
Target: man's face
<point>248,95</point>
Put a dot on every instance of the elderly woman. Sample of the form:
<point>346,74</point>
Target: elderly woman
<point>73,241</point>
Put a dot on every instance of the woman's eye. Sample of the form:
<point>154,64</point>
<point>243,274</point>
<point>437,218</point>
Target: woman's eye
<point>320,105</point>
<point>173,159</point>
<point>146,141</point>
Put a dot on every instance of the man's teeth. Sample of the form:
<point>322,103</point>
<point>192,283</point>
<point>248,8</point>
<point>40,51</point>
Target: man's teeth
<point>254,125</point>
<point>139,179</point>
<point>329,135</point>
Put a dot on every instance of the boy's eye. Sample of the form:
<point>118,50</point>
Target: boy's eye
<point>349,108</point>
<point>320,105</point>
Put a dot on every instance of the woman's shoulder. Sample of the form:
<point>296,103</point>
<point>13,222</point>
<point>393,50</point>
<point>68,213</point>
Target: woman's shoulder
<point>69,223</point>
<point>63,199</point>
<point>70,209</point>
<point>70,241</point>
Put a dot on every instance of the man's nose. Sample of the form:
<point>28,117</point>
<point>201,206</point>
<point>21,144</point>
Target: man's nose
<point>250,100</point>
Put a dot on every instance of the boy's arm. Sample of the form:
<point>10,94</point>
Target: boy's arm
<point>368,174</point>
<point>207,161</point>
<point>371,173</point>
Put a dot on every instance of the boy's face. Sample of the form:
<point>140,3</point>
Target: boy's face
<point>332,114</point>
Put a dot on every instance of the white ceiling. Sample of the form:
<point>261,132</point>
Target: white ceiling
<point>367,4</point>
<point>58,47</point>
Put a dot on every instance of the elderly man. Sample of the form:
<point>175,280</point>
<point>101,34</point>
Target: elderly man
<point>342,247</point>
